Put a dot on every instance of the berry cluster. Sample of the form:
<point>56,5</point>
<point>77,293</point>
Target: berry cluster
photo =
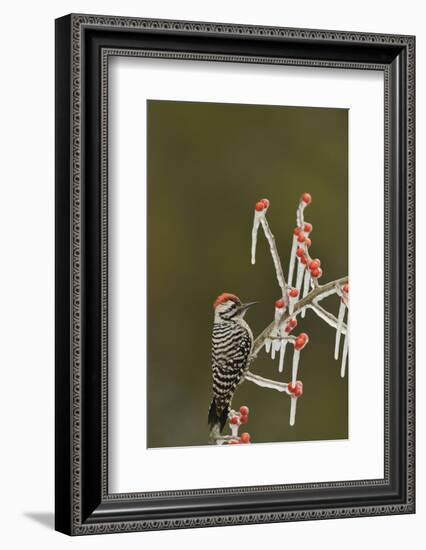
<point>296,389</point>
<point>302,242</point>
<point>290,325</point>
<point>261,205</point>
<point>303,274</point>
<point>301,341</point>
<point>236,419</point>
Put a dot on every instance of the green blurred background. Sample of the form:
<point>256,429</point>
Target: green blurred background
<point>208,164</point>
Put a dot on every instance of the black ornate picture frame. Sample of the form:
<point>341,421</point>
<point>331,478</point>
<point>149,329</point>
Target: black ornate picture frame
<point>84,43</point>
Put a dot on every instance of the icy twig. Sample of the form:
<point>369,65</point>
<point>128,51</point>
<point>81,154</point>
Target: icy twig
<point>344,356</point>
<point>316,295</point>
<point>340,318</point>
<point>275,256</point>
<point>326,316</point>
<point>266,382</point>
<point>306,285</point>
<point>254,232</point>
<point>299,279</point>
<point>292,260</point>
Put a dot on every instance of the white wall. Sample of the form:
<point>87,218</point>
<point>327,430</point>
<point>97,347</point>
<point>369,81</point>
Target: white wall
<point>26,306</point>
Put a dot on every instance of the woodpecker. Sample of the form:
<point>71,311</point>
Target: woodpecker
<point>232,343</point>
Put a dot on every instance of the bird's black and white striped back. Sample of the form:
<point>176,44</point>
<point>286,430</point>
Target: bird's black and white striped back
<point>232,342</point>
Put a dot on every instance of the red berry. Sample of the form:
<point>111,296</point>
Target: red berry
<point>301,238</point>
<point>234,420</point>
<point>301,341</point>
<point>243,419</point>
<point>307,227</point>
<point>304,260</point>
<point>314,265</point>
<point>265,203</point>
<point>292,323</point>
<point>279,304</point>
<point>296,231</point>
<point>306,198</point>
<point>244,410</point>
<point>294,293</point>
<point>260,206</point>
<point>308,242</point>
<point>316,273</point>
<point>291,388</point>
<point>345,288</point>
<point>298,392</point>
<point>245,438</point>
<point>299,344</point>
<point>300,252</point>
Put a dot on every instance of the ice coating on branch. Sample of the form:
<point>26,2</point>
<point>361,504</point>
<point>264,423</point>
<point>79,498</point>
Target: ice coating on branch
<point>293,403</point>
<point>254,232</point>
<point>279,311</point>
<point>274,253</point>
<point>234,430</point>
<point>344,357</point>
<point>305,280</point>
<point>340,318</point>
<point>282,354</point>
<point>292,261</point>
<point>299,214</point>
<point>306,285</point>
<point>300,272</point>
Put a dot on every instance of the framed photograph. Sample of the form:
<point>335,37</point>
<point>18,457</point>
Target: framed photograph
<point>234,274</point>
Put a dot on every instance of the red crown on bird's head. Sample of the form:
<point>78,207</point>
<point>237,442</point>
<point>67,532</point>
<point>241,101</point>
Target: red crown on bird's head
<point>224,297</point>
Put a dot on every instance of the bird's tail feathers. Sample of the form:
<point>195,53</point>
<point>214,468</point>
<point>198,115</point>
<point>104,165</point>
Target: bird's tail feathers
<point>217,420</point>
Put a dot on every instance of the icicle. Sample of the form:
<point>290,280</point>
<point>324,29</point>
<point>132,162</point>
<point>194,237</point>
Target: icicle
<point>300,271</point>
<point>282,354</point>
<point>344,357</point>
<point>273,349</point>
<point>268,343</point>
<point>292,260</point>
<point>234,430</point>
<point>293,403</point>
<point>255,230</point>
<point>296,357</point>
<point>278,345</point>
<point>340,318</point>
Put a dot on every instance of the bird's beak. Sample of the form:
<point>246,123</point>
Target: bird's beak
<point>245,307</point>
